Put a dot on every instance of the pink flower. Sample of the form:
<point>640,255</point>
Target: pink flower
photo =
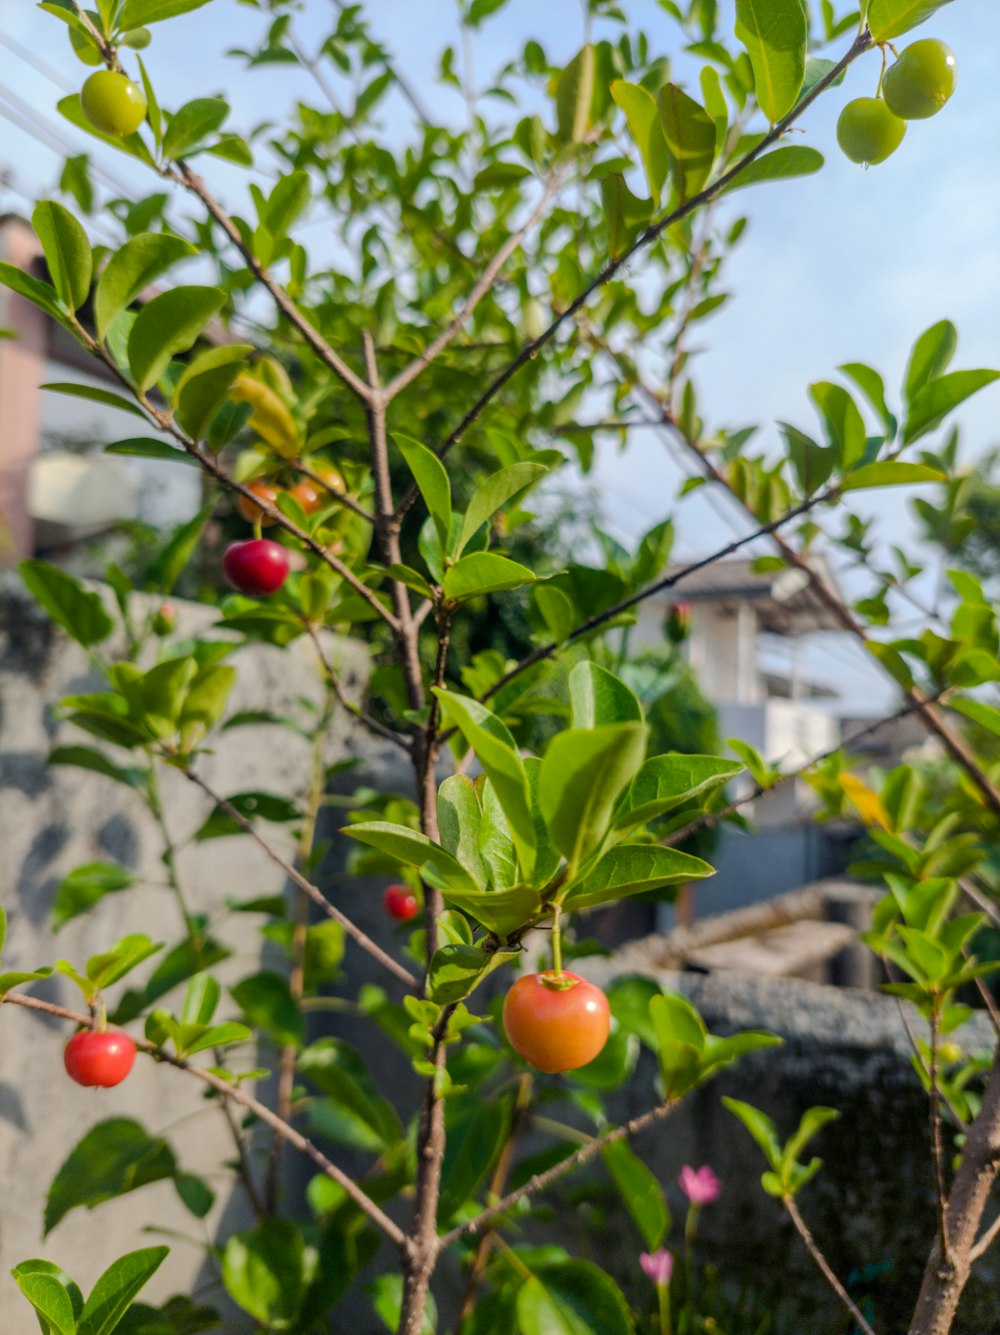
<point>699,1185</point>
<point>657,1266</point>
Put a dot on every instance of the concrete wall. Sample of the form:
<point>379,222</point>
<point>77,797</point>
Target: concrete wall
<point>52,820</point>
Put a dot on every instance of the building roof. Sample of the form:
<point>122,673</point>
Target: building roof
<point>784,601</point>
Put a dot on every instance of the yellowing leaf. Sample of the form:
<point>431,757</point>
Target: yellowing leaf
<point>270,418</point>
<point>866,801</point>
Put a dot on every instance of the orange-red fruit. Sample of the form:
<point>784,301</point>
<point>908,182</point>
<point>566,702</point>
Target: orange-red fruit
<point>400,902</point>
<point>253,514</point>
<point>309,496</point>
<point>99,1058</point>
<point>556,1028</point>
<point>257,567</point>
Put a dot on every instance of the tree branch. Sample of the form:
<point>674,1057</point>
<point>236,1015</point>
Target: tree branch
<point>367,720</point>
<point>480,290</point>
<point>542,1180</point>
<point>183,175</point>
<point>236,1094</point>
<point>937,1148</point>
<point>860,44</point>
<point>304,884</point>
<point>823,1265</point>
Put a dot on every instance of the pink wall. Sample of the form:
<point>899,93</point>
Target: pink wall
<point>22,366</point>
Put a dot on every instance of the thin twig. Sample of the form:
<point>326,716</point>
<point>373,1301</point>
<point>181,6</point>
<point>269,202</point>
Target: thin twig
<point>937,1147</point>
<point>313,891</point>
<point>481,288</point>
<point>986,1241</point>
<point>237,1095</point>
<point>542,1180</point>
<point>368,720</point>
<point>193,182</point>
<point>824,1265</point>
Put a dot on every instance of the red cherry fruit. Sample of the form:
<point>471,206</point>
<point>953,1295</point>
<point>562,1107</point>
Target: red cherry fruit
<point>400,902</point>
<point>556,1021</point>
<point>103,1058</point>
<point>257,567</point>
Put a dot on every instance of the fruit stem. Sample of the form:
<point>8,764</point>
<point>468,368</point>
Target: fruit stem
<point>258,528</point>
<point>556,942</point>
<point>99,1014</point>
<point>881,77</point>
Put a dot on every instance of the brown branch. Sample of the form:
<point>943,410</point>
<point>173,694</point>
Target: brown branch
<point>245,1168</point>
<point>193,182</point>
<point>304,884</point>
<point>860,44</point>
<point>236,1094</point>
<point>943,1283</point>
<point>481,288</point>
<point>824,1265</point>
<point>542,1180</point>
<point>348,502</point>
<point>986,1241</point>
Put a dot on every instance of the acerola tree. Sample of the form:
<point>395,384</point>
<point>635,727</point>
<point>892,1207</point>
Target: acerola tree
<point>496,287</point>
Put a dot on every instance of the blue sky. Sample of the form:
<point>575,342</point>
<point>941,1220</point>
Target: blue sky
<point>848,265</point>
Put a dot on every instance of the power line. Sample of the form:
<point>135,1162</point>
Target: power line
<point>31,59</point>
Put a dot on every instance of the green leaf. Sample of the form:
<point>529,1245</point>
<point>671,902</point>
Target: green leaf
<point>680,1040</point>
<point>67,252</point>
<point>457,970</point>
<point>124,956</point>
<point>483,572</point>
<point>572,1298</point>
<point>644,125</point>
<point>813,1120</point>
<point>842,418</point>
<point>987,716</point>
<point>117,1287</point>
<point>760,1127</point>
<point>95,395</point>
<point>414,849</point>
<point>252,806</point>
<point>192,124</point>
<point>264,1271</point>
<point>49,1296</point>
<point>460,819</point>
<point>930,358</point>
<point>494,747</point>
<point>76,609</point>
<point>668,781</point>
<point>131,270</point>
<point>34,290</point>
<point>775,34</point>
<point>167,325</point>
<point>168,566</point>
<point>632,869</point>
<point>358,1114</point>
<point>490,495</point>
<point>268,1004</point>
<point>872,386</point>
<point>84,887</point>
<point>16,978</point>
<point>195,1193</point>
<point>640,1191</point>
<point>721,1052</point>
<point>431,479</point>
<point>200,999</point>
<point>583,771</point>
<point>597,697</point>
<point>475,1137</point>
<point>891,18</point>
<point>575,95</point>
<point>144,448</point>
<point>779,165</point>
<point>115,1157</point>
<point>936,400</point>
<point>139,13</point>
<point>690,134</point>
<point>213,1036</point>
<point>890,473</point>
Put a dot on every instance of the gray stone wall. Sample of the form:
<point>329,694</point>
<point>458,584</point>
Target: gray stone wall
<point>52,820</point>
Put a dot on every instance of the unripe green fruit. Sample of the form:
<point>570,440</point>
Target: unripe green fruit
<point>867,130</point>
<point>137,38</point>
<point>113,103</point>
<point>921,80</point>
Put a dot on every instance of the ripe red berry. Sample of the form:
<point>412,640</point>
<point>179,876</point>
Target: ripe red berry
<point>102,1058</point>
<point>257,567</point>
<point>400,902</point>
<point>556,1022</point>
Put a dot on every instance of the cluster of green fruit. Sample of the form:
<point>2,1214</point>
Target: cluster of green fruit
<point>915,86</point>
